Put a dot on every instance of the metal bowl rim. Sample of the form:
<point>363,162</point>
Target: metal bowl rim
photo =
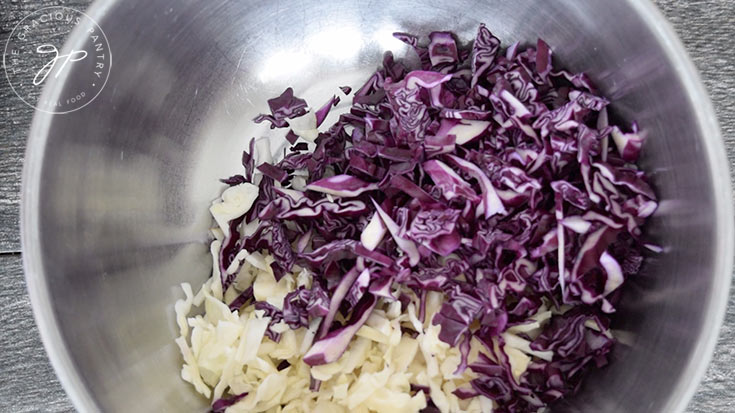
<point>78,392</point>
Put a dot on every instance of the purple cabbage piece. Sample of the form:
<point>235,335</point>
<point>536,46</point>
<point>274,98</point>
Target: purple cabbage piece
<point>571,194</point>
<point>314,384</point>
<point>358,288</point>
<point>430,408</point>
<point>381,287</point>
<point>415,191</point>
<point>280,247</point>
<point>302,304</point>
<point>456,315</point>
<point>410,110</point>
<point>442,48</point>
<point>543,59</point>
<point>339,294</point>
<point>285,207</point>
<point>291,137</point>
<point>435,229</point>
<point>301,146</point>
<point>322,112</point>
<point>228,251</point>
<point>223,403</point>
<point>341,185</point>
<point>430,279</point>
<point>421,51</point>
<point>242,299</point>
<point>433,223</point>
<point>273,172</point>
<point>415,388</point>
<point>405,244</point>
<point>339,250</point>
<point>318,304</point>
<point>275,315</point>
<point>464,350</point>
<point>491,203</point>
<point>628,144</point>
<point>484,51</point>
<point>331,347</point>
<point>464,394</point>
<point>286,106</point>
<point>448,181</point>
<point>234,180</point>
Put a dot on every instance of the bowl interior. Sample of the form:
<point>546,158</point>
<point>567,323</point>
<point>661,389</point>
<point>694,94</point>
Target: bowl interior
<point>116,194</point>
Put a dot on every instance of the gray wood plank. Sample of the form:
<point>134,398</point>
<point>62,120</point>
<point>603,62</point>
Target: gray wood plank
<point>15,121</point>
<point>27,381</point>
<point>11,161</point>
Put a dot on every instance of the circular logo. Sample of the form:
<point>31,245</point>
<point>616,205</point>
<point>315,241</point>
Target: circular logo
<point>33,56</point>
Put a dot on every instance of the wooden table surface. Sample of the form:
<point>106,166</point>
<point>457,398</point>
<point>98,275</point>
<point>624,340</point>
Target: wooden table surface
<point>27,381</point>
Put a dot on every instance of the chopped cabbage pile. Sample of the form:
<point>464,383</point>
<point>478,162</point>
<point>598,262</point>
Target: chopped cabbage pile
<point>455,242</point>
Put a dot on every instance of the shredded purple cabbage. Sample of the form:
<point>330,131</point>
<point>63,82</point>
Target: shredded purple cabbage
<point>487,175</point>
<point>222,404</point>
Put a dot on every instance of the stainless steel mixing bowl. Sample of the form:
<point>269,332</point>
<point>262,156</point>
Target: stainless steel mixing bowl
<point>115,195</point>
